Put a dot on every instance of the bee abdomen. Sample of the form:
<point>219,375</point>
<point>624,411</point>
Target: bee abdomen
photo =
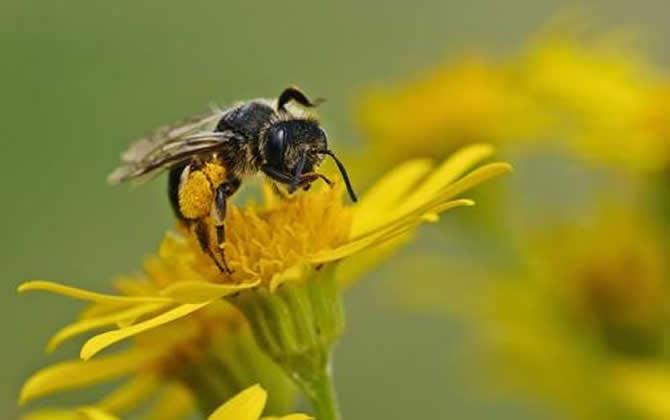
<point>174,180</point>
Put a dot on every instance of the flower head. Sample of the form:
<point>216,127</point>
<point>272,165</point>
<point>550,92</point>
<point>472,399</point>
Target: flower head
<point>277,243</point>
<point>594,97</point>
<point>589,311</point>
<point>468,100</point>
<point>192,362</point>
<point>285,257</point>
<point>602,99</point>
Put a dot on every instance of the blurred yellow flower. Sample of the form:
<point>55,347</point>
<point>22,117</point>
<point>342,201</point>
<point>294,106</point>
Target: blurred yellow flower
<point>599,99</point>
<point>602,98</point>
<point>594,298</point>
<point>469,101</point>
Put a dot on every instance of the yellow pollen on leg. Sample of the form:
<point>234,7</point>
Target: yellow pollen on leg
<point>215,172</point>
<point>195,196</point>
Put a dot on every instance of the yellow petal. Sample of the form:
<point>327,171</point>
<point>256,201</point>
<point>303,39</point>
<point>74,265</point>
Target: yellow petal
<point>81,294</point>
<point>54,414</point>
<point>200,291</point>
<point>247,405</point>
<point>104,340</point>
<point>89,324</point>
<point>386,192</point>
<point>76,373</point>
<point>450,170</point>
<point>354,268</point>
<point>130,395</point>
<point>646,387</point>
<point>93,413</point>
<point>475,178</point>
<point>82,413</point>
<point>391,231</point>
<point>175,403</point>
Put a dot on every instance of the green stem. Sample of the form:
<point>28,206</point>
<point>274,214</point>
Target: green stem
<point>320,390</point>
<point>297,325</point>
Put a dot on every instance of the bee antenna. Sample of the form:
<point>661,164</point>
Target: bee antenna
<point>295,94</point>
<point>343,171</point>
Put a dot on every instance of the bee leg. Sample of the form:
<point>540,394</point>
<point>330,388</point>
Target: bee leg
<point>308,178</point>
<point>201,231</point>
<point>284,178</point>
<point>277,175</point>
<point>218,215</point>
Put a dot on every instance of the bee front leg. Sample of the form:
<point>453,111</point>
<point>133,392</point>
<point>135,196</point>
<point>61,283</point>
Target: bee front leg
<point>307,179</point>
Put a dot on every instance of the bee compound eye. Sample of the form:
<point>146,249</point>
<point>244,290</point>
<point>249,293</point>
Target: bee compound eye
<point>276,145</point>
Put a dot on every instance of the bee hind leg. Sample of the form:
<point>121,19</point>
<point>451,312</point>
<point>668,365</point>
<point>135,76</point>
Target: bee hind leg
<point>218,216</point>
<point>201,230</point>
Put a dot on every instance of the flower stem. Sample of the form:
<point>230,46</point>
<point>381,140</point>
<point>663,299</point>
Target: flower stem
<point>297,325</point>
<point>320,390</point>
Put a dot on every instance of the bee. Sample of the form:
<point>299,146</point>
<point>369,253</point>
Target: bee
<point>208,156</point>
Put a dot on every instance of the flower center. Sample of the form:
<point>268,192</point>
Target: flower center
<point>261,243</point>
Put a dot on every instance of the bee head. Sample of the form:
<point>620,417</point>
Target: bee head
<point>289,144</point>
<point>297,147</point>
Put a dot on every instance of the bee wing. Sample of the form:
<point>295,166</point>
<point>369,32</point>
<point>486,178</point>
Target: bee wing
<point>143,147</point>
<point>167,147</point>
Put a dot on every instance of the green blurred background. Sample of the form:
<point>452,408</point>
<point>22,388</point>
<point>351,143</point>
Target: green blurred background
<point>79,80</point>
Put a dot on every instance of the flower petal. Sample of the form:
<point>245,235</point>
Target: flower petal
<point>104,340</point>
<point>391,231</point>
<point>450,170</point>
<point>88,324</point>
<point>130,395</point>
<point>81,413</point>
<point>353,268</point>
<point>93,413</point>
<point>387,192</point>
<point>247,405</point>
<point>82,294</point>
<point>475,178</point>
<point>76,373</point>
<point>200,291</point>
<point>175,403</point>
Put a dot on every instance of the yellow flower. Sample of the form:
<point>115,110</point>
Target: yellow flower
<point>592,300</point>
<point>278,243</point>
<point>191,362</point>
<point>247,405</point>
<point>466,101</point>
<point>602,101</point>
<point>285,259</point>
<point>645,387</point>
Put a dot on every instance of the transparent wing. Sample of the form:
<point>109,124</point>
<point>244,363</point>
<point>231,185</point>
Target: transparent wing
<point>174,132</point>
<point>169,146</point>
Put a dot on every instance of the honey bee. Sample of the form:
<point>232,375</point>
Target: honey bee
<point>207,157</point>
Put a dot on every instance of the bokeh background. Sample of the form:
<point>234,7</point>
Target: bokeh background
<point>79,80</point>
